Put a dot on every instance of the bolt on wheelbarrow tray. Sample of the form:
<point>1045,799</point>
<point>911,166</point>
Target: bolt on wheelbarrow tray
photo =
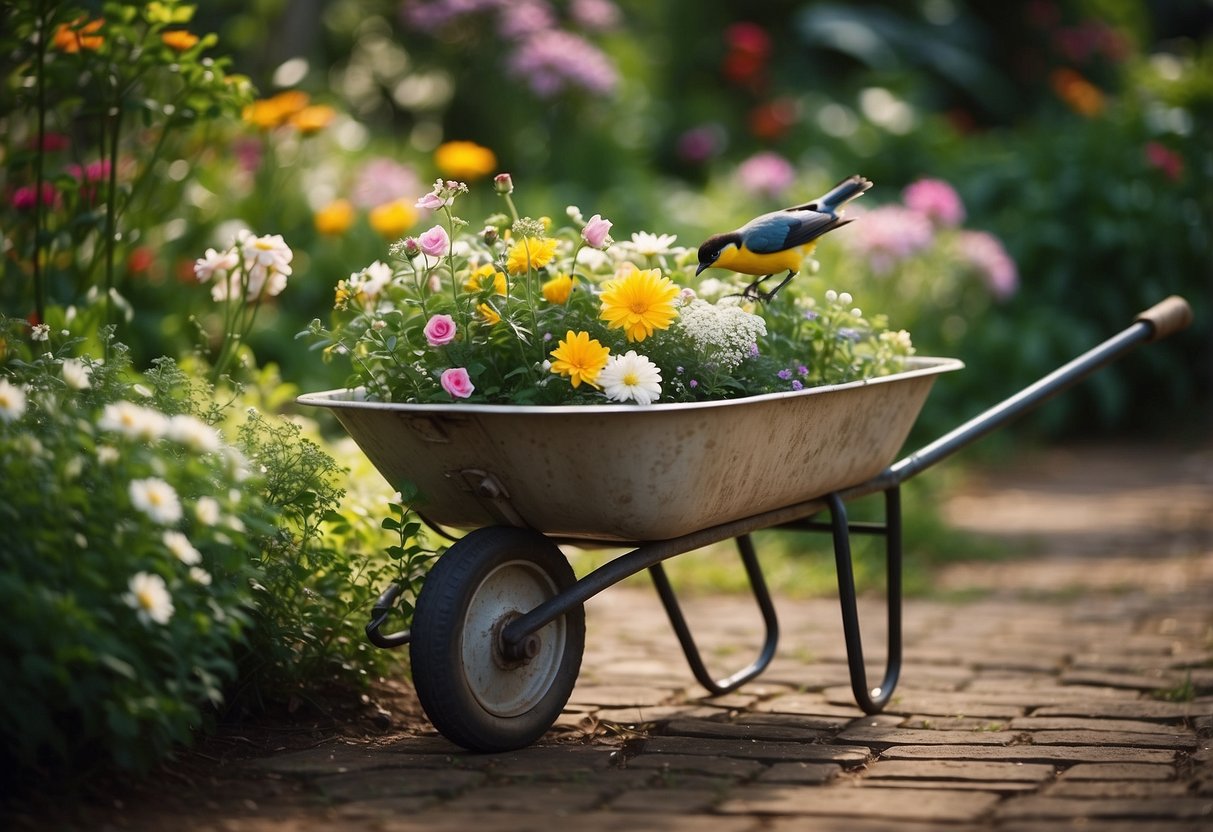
<point>499,625</point>
<point>628,473</point>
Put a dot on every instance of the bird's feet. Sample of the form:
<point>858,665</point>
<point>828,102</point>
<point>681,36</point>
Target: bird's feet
<point>751,292</point>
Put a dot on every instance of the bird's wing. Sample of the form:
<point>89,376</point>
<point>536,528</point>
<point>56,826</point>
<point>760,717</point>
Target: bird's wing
<point>782,230</point>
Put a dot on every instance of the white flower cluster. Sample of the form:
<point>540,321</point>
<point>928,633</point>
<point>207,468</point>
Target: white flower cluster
<point>727,333</point>
<point>253,265</point>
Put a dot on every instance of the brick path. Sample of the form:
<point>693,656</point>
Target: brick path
<point>1057,692</point>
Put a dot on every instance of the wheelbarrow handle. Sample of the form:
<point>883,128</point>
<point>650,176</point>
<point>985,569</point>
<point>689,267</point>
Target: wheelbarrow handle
<point>1167,317</point>
<point>1159,321</point>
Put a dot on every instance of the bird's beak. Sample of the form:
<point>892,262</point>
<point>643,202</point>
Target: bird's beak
<point>702,266</point>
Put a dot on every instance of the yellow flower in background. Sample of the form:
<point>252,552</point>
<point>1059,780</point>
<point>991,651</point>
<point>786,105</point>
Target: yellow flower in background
<point>530,253</point>
<point>392,219</point>
<point>488,314</point>
<point>558,289</point>
<point>1080,95</point>
<point>464,160</point>
<point>312,118</point>
<point>478,279</point>
<point>179,40</point>
<point>579,357</point>
<point>639,303</point>
<point>335,218</point>
<point>268,113</point>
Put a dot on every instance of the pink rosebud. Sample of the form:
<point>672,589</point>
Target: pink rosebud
<point>595,231</point>
<point>439,330</point>
<point>456,382</point>
<point>431,202</point>
<point>503,183</point>
<point>434,242</point>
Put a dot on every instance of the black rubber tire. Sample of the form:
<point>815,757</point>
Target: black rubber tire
<point>470,699</point>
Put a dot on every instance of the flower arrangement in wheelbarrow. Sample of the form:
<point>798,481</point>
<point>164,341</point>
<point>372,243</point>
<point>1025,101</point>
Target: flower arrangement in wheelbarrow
<point>525,312</point>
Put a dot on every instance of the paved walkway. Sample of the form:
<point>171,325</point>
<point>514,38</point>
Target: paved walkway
<point>1074,689</point>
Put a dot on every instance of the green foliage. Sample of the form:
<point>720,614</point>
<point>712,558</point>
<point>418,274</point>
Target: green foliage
<point>124,566</point>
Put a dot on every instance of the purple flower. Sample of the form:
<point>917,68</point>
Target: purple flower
<point>986,255</point>
<point>937,200</point>
<point>519,18</point>
<point>595,15</point>
<point>802,370</point>
<point>434,242</point>
<point>692,384</point>
<point>766,174</point>
<point>701,143</point>
<point>796,385</point>
<point>784,374</point>
<point>551,61</point>
<point>754,351</point>
<point>848,334</point>
<point>595,231</point>
<point>811,315</point>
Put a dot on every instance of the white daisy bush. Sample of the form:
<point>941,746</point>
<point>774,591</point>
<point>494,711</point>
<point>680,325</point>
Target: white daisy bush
<point>511,310</point>
<point>125,564</point>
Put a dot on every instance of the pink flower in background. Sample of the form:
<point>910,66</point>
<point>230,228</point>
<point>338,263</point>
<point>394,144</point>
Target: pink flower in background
<point>595,15</point>
<point>889,234</point>
<point>595,231</point>
<point>1159,156</point>
<point>439,330</point>
<point>700,143</point>
<point>456,382</point>
<point>26,197</point>
<point>384,180</point>
<point>937,199</point>
<point>986,255</point>
<point>434,242</point>
<point>519,18</point>
<point>766,174</point>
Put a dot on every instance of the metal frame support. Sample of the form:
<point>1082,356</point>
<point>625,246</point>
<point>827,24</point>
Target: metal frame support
<point>719,687</point>
<point>871,700</point>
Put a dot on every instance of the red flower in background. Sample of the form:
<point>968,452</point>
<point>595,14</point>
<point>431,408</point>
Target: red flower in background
<point>749,50</point>
<point>1159,156</point>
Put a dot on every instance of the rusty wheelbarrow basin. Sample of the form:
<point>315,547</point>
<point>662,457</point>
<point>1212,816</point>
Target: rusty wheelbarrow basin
<point>628,473</point>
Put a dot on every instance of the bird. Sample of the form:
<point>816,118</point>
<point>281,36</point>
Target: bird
<point>779,240</point>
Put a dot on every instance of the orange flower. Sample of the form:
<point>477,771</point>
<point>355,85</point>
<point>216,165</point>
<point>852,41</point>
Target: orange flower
<point>268,113</point>
<point>465,160</point>
<point>1081,95</point>
<point>313,119</point>
<point>179,40</point>
<point>72,37</point>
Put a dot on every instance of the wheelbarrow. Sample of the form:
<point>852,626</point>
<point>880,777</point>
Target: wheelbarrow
<point>499,624</point>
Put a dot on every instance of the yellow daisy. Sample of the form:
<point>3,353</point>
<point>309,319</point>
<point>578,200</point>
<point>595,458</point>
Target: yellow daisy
<point>530,253</point>
<point>579,357</point>
<point>639,303</point>
<point>488,314</point>
<point>558,289</point>
<point>478,279</point>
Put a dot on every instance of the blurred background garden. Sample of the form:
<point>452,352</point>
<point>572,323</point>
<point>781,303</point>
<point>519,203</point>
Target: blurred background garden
<point>1043,171</point>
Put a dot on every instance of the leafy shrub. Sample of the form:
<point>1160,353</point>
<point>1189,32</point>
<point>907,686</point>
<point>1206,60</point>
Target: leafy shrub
<point>128,537</point>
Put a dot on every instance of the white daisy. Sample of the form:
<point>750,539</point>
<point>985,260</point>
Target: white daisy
<point>77,374</point>
<point>630,377</point>
<point>142,424</point>
<point>216,265</point>
<point>200,575</point>
<point>12,401</point>
<point>193,433</point>
<point>207,511</point>
<point>652,245</point>
<point>182,549</point>
<point>157,499</point>
<point>149,596</point>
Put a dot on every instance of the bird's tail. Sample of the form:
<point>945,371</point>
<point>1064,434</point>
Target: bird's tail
<point>840,194</point>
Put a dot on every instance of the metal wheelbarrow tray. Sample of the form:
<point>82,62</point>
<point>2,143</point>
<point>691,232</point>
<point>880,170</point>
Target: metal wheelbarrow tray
<point>498,630</point>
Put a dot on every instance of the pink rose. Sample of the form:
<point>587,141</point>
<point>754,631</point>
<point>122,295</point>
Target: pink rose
<point>456,382</point>
<point>434,242</point>
<point>431,202</point>
<point>595,231</point>
<point>440,330</point>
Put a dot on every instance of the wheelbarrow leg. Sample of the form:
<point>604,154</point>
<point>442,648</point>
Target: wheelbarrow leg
<point>719,687</point>
<point>871,700</point>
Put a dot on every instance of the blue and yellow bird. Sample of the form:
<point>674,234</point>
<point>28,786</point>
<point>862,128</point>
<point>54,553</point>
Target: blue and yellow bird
<point>779,240</point>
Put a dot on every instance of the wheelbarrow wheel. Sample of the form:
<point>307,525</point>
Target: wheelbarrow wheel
<point>473,692</point>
